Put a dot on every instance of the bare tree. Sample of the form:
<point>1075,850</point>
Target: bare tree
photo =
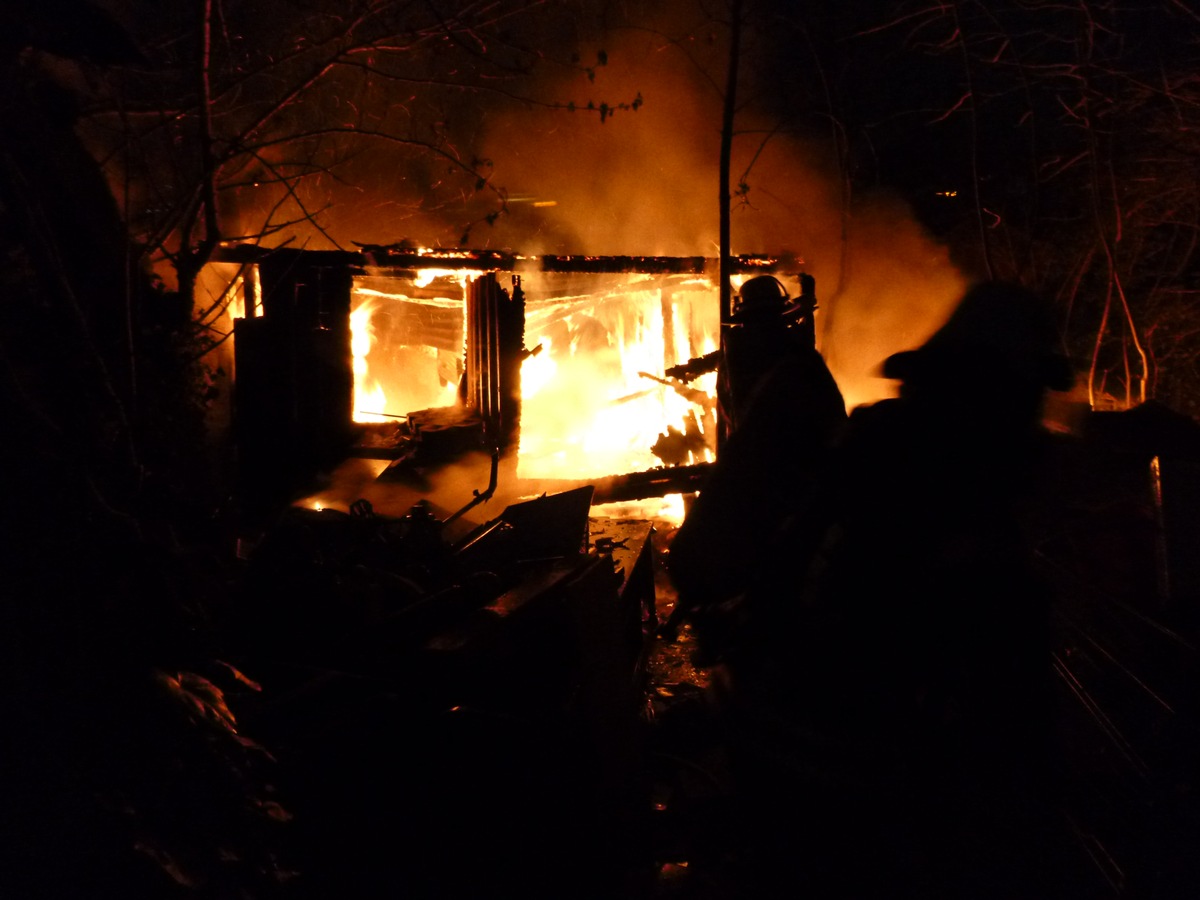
<point>1070,126</point>
<point>254,123</point>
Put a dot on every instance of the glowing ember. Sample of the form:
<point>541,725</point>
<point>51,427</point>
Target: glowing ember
<point>669,508</point>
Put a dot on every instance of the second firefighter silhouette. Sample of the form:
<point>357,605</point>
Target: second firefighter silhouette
<point>783,412</point>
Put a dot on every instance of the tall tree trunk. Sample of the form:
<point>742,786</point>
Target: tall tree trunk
<point>726,265</point>
<point>726,261</point>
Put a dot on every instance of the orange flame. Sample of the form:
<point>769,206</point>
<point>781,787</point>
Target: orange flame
<point>394,371</point>
<point>587,411</point>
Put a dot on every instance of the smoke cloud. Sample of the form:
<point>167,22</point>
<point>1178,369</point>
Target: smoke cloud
<point>647,182</point>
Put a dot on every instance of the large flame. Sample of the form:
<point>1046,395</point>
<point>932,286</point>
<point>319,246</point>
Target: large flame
<point>368,393</point>
<point>396,367</point>
<point>588,409</point>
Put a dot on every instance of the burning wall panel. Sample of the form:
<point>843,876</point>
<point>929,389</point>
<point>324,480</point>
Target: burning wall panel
<point>408,344</point>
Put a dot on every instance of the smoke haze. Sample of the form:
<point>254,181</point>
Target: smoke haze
<point>647,182</point>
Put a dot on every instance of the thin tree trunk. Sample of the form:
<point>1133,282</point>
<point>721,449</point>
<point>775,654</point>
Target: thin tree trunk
<point>726,261</point>
<point>1103,327</point>
<point>735,40</point>
<point>192,260</point>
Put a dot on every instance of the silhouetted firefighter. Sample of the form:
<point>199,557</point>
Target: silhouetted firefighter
<point>782,410</point>
<point>887,671</point>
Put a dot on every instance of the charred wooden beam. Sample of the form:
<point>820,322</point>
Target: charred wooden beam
<point>634,485</point>
<point>654,265</point>
<point>396,262</point>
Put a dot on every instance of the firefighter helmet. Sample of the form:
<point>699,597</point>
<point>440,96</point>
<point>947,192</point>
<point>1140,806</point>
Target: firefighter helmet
<point>996,324</point>
<point>764,297</point>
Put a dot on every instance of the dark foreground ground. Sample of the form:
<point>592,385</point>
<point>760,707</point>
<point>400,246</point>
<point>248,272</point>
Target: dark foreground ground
<point>1120,819</point>
<point>190,722</point>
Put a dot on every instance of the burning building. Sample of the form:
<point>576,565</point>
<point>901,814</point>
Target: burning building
<point>553,363</point>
